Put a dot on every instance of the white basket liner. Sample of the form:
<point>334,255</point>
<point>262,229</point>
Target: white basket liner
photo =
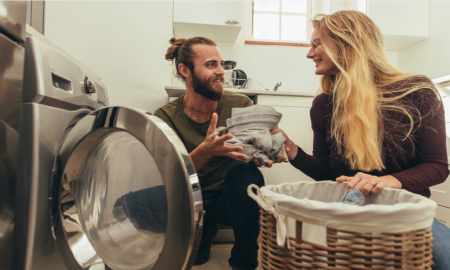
<point>390,211</point>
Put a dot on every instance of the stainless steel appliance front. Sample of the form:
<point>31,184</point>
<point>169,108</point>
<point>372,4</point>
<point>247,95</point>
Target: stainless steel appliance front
<point>12,24</point>
<point>104,187</point>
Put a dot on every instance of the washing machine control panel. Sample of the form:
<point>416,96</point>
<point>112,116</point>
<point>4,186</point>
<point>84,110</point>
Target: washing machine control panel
<point>89,85</point>
<point>102,96</point>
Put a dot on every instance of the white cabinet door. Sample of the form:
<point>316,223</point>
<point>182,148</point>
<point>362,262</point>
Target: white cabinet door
<point>441,193</point>
<point>208,19</point>
<point>443,215</point>
<point>403,23</point>
<point>207,12</point>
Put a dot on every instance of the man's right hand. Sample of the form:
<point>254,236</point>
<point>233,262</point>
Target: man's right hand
<point>215,146</point>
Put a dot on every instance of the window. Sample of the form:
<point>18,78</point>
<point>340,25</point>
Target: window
<point>280,21</point>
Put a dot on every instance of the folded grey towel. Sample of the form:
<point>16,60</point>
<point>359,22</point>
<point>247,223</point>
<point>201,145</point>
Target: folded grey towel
<point>251,127</point>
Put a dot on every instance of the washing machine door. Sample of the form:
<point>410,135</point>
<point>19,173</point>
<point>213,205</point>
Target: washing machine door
<point>129,195</point>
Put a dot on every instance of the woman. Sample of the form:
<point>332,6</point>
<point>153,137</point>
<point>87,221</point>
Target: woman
<point>374,126</point>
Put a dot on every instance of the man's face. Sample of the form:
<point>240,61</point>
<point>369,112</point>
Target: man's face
<point>208,74</point>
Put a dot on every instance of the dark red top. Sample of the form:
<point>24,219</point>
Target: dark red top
<point>418,162</point>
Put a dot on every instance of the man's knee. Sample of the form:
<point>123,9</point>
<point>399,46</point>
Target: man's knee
<point>245,173</point>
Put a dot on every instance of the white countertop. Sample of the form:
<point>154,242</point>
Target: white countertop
<point>176,91</point>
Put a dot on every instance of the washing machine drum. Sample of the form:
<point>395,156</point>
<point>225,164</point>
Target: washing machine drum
<point>129,196</point>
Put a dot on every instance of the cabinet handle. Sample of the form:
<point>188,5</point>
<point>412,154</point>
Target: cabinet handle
<point>232,22</point>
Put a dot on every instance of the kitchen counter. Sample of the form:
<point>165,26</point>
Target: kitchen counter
<point>176,91</point>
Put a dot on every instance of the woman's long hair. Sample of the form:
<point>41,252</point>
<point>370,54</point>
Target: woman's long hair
<point>362,91</point>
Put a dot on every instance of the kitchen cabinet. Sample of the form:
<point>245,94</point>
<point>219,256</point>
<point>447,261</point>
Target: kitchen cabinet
<point>403,23</point>
<point>441,193</point>
<point>296,123</point>
<point>220,21</point>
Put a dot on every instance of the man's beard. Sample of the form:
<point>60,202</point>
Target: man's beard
<point>207,88</point>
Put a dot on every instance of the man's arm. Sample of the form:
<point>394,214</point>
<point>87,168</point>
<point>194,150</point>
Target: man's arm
<point>215,146</point>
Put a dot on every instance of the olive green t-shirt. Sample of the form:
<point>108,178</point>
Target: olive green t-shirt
<point>192,134</point>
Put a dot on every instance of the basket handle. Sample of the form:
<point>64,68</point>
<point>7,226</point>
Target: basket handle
<point>281,225</point>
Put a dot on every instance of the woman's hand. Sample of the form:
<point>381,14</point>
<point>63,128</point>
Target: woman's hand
<point>292,153</point>
<point>367,183</point>
<point>270,163</point>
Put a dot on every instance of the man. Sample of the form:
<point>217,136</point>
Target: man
<point>194,116</point>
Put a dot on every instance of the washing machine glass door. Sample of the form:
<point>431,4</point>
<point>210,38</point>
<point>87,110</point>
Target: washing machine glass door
<point>129,196</point>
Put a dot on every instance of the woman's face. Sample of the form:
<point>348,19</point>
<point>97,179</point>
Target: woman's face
<point>324,65</point>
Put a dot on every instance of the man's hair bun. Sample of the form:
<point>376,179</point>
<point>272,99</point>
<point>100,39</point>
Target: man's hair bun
<point>172,40</point>
<point>172,52</point>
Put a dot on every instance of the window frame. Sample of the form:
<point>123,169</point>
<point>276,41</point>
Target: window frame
<point>249,12</point>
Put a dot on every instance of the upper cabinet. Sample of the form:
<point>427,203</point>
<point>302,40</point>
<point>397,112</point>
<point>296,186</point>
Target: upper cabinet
<point>218,20</point>
<point>403,23</point>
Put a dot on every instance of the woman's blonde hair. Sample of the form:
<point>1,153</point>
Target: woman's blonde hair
<point>362,91</point>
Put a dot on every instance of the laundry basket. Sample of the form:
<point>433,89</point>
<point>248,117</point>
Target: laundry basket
<point>304,225</point>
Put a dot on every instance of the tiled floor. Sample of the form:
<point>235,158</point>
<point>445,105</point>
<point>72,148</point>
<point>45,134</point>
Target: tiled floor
<point>219,258</point>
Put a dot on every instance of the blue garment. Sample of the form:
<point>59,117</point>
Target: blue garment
<point>233,207</point>
<point>441,246</point>
<point>354,196</point>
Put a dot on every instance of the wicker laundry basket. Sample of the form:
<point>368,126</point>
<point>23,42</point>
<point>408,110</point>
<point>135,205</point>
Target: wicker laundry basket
<point>374,236</point>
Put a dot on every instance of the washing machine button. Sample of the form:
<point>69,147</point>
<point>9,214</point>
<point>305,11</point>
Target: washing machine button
<point>89,85</point>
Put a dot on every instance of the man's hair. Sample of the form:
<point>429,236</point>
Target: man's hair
<point>181,51</point>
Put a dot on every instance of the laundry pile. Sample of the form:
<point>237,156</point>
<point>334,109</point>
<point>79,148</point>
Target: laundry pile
<point>251,127</point>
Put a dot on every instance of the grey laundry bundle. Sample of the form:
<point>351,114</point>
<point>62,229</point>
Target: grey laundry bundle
<point>251,127</point>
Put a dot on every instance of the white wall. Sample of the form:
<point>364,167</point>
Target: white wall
<point>430,57</point>
<point>124,42</point>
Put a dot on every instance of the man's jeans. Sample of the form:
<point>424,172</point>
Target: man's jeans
<point>233,207</point>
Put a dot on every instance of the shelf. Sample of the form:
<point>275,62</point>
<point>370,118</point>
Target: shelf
<point>176,91</point>
<point>218,33</point>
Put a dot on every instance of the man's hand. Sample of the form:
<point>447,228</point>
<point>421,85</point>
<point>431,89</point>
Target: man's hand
<point>215,146</point>
<point>270,162</point>
<point>367,183</point>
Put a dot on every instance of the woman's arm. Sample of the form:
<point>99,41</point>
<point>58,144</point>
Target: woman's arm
<point>430,143</point>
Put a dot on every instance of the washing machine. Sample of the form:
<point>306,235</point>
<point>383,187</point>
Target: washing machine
<point>12,36</point>
<point>99,186</point>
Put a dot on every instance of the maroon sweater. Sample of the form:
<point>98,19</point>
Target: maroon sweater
<point>418,162</point>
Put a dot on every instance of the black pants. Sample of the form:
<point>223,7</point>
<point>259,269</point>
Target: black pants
<point>233,207</point>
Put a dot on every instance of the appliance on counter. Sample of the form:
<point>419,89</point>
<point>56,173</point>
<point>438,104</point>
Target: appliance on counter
<point>100,187</point>
<point>234,78</point>
<point>12,53</point>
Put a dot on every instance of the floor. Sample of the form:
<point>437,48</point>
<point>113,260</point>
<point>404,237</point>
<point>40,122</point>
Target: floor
<point>219,258</point>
